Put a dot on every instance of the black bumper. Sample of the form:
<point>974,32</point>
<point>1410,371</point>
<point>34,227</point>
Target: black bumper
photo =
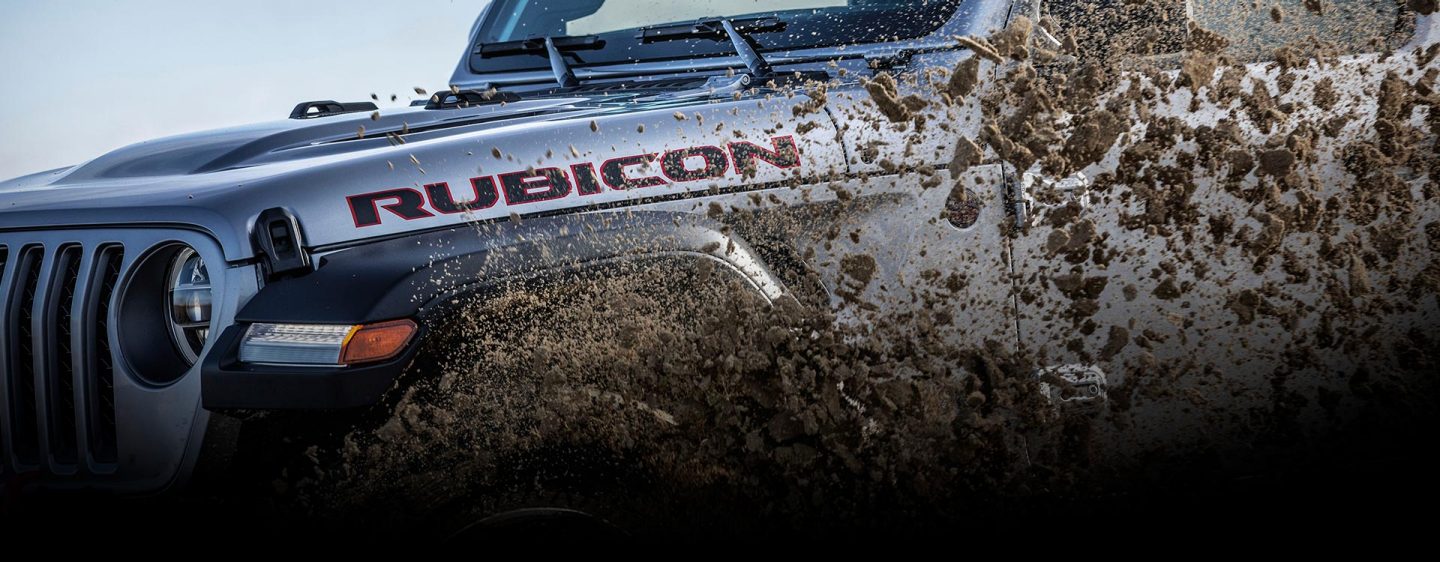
<point>231,385</point>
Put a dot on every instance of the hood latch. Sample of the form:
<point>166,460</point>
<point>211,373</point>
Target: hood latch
<point>278,236</point>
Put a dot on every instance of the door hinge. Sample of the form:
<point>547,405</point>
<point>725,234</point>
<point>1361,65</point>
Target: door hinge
<point>1020,193</point>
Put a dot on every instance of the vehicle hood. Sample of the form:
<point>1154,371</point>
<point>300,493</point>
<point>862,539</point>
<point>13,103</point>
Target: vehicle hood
<point>219,181</point>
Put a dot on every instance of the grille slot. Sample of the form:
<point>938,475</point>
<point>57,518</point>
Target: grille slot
<point>64,444</point>
<point>57,368</point>
<point>24,425</point>
<point>101,390</point>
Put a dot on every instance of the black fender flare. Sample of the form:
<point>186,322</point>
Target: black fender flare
<point>420,277</point>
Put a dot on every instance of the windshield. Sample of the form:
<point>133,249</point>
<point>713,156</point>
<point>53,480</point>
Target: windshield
<point>809,23</point>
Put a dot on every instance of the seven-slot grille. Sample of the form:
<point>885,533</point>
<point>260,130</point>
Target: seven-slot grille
<point>58,408</point>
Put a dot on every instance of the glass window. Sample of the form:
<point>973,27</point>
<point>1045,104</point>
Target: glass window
<point>809,23</point>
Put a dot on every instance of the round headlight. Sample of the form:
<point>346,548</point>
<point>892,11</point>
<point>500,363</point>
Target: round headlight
<point>189,314</point>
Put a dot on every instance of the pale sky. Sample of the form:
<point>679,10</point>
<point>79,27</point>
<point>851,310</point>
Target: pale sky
<point>82,77</point>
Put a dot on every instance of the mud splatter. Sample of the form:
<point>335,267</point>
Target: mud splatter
<point>885,93</point>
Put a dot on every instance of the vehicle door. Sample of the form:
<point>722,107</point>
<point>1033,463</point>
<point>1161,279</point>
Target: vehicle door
<point>919,237</point>
<point>1245,263</point>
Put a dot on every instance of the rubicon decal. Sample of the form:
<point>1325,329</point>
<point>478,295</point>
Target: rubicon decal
<point>626,173</point>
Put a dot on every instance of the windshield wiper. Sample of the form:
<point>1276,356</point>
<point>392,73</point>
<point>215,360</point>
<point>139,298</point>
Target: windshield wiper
<point>736,30</point>
<point>554,46</point>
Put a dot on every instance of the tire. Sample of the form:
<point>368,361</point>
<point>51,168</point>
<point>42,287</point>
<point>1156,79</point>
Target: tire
<point>539,526</point>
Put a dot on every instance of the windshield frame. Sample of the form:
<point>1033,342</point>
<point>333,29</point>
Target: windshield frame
<point>626,51</point>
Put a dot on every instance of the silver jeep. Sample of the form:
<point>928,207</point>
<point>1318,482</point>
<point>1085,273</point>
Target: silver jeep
<point>299,264</point>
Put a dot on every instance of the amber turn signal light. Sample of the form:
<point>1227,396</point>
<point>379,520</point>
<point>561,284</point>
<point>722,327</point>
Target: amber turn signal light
<point>377,342</point>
